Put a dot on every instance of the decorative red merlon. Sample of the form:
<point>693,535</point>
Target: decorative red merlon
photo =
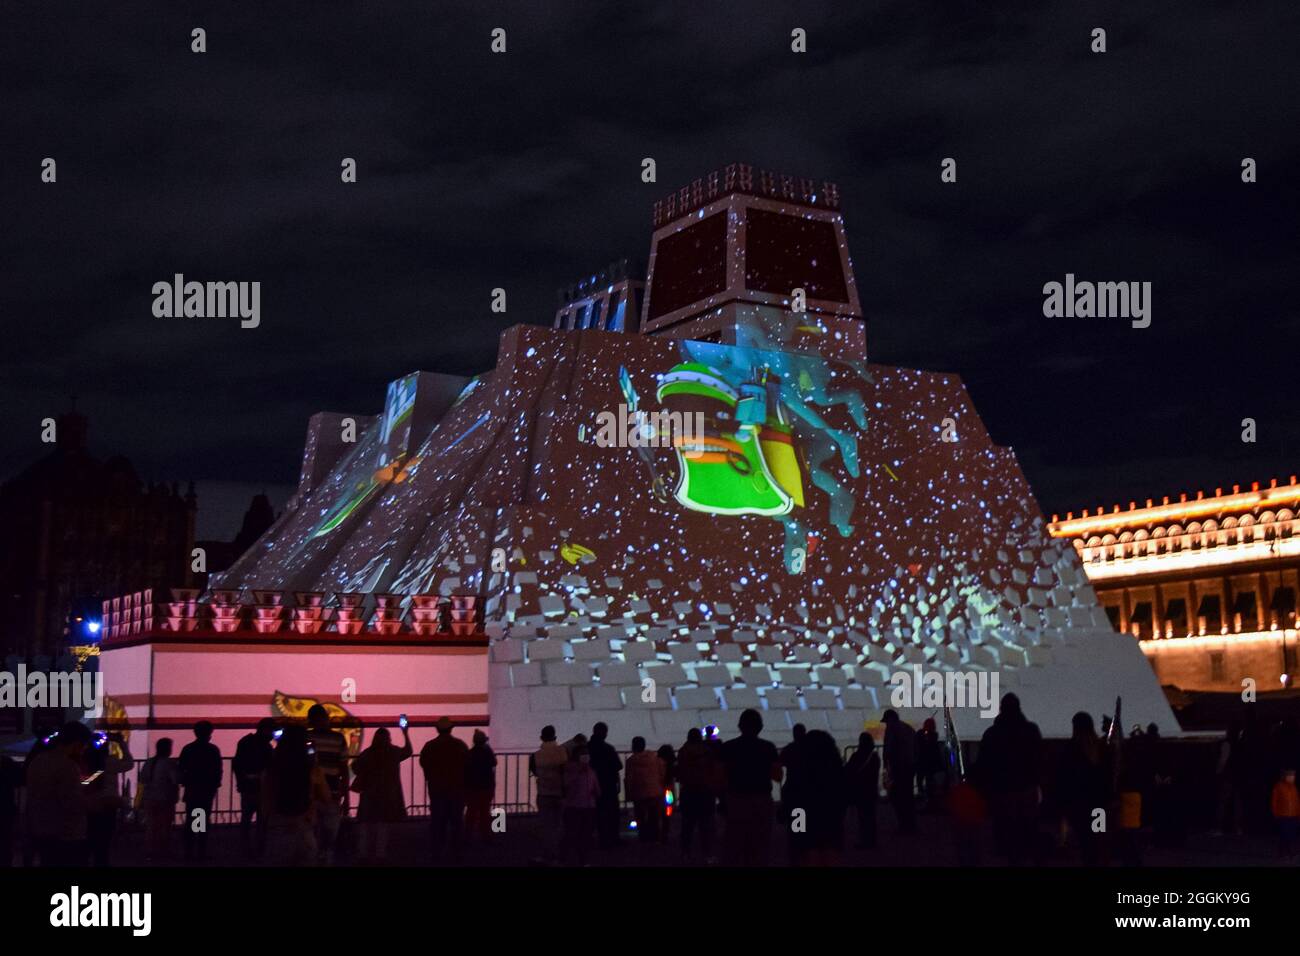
<point>311,613</point>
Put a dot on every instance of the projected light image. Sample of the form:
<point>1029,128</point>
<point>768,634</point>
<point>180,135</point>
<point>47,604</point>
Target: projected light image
<point>395,471</point>
<point>762,437</point>
<point>601,436</point>
<point>832,521</point>
<point>379,460</point>
<point>397,413</point>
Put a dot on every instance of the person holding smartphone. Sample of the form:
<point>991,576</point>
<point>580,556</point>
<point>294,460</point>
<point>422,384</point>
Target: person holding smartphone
<point>104,792</point>
<point>293,787</point>
<point>56,801</point>
<point>377,778</point>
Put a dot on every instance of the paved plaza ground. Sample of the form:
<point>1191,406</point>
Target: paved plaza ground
<point>933,846</point>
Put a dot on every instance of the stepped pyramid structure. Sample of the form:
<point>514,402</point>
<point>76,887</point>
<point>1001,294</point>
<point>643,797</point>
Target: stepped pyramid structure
<point>723,505</point>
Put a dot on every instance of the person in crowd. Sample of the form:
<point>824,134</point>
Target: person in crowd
<point>606,764</point>
<point>1227,818</point>
<point>794,786</point>
<point>751,765</point>
<point>792,783</point>
<point>159,789</point>
<point>929,762</point>
<point>967,813</point>
<point>1285,804</point>
<point>11,776</point>
<point>546,764</point>
<point>200,774</point>
<point>1083,787</point>
<point>1168,805</point>
<point>697,773</point>
<point>104,793</point>
<point>252,757</point>
<point>330,749</point>
<point>377,777</point>
<point>718,767</point>
<point>1138,769</point>
<point>581,798</point>
<point>294,787</point>
<point>1008,772</point>
<point>1254,771</point>
<point>826,798</point>
<point>1132,802</point>
<point>57,806</point>
<point>45,737</point>
<point>669,796</point>
<point>480,786</point>
<point>443,761</point>
<point>900,769</point>
<point>644,779</point>
<point>863,781</point>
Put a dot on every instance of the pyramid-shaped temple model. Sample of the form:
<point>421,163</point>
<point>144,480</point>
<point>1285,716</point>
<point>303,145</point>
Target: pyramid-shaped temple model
<point>693,495</point>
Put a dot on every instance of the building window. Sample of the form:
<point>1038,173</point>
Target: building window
<point>614,317</point>
<point>1176,618</point>
<point>1211,618</point>
<point>784,252</point>
<point>634,323</point>
<point>1283,605</point>
<point>1243,607</point>
<point>1140,621</point>
<point>1216,665</point>
<point>690,265</point>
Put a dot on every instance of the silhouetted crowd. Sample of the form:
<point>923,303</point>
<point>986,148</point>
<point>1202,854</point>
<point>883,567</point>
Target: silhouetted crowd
<point>1101,795</point>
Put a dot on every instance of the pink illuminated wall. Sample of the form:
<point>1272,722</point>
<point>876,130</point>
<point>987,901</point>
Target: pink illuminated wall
<point>166,684</point>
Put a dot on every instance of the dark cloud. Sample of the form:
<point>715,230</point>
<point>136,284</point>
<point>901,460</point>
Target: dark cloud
<point>522,171</point>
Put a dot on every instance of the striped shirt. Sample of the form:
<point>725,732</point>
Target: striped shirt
<point>331,756</point>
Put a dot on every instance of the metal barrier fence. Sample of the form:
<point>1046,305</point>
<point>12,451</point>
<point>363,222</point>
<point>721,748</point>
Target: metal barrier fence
<point>515,788</point>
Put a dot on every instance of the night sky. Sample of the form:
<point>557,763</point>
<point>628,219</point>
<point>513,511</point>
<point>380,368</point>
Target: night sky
<point>522,171</point>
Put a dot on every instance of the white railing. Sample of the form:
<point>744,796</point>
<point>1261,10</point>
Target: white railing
<point>1099,565</point>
